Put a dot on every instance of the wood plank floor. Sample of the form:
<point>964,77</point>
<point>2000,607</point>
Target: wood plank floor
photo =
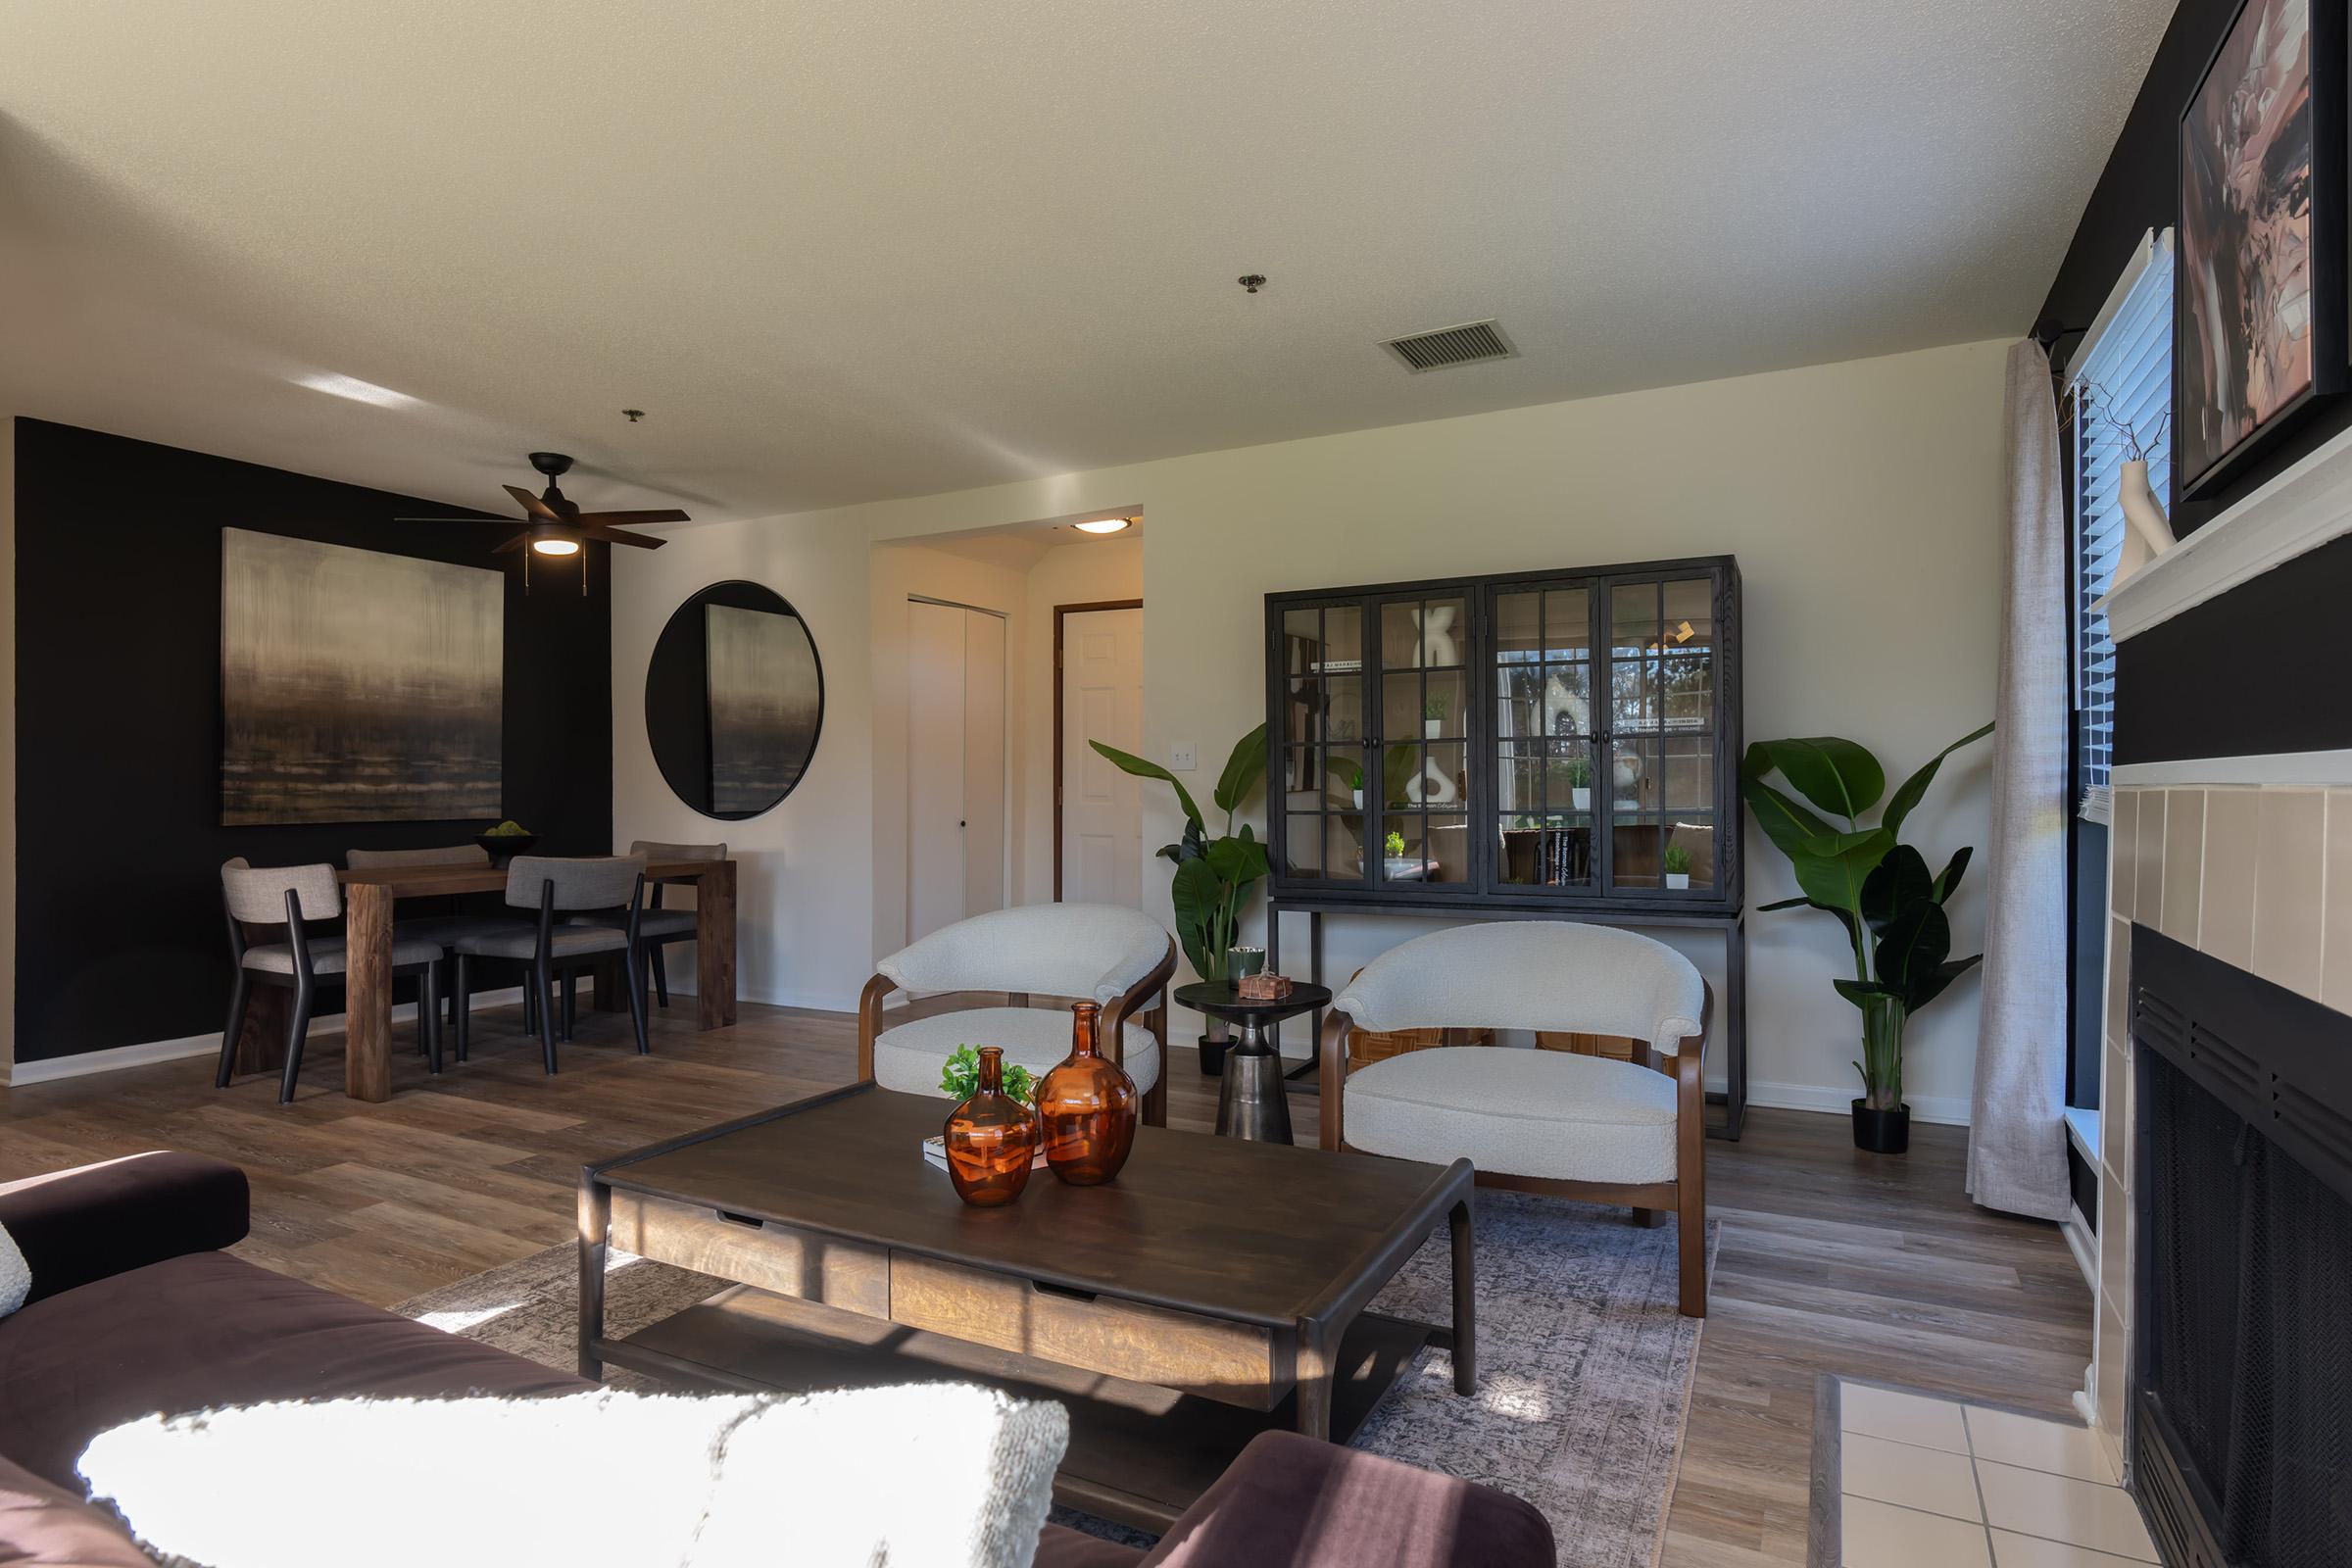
<point>1831,1260</point>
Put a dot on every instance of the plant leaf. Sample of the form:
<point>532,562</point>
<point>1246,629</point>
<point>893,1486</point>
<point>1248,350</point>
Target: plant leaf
<point>1127,762</point>
<point>1949,878</point>
<point>1945,973</point>
<point>1193,896</point>
<point>1896,882</point>
<point>1900,805</point>
<point>1914,942</point>
<point>1243,769</point>
<point>1788,824</point>
<point>1834,774</point>
<point>1799,902</point>
<point>1834,881</point>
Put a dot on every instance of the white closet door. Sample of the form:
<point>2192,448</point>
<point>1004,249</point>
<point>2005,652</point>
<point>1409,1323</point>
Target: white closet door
<point>935,748</point>
<point>1102,808</point>
<point>983,762</point>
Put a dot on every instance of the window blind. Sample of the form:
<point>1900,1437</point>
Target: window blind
<point>2122,378</point>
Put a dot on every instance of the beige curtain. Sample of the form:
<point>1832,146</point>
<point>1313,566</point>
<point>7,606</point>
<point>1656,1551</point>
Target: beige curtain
<point>2017,1131</point>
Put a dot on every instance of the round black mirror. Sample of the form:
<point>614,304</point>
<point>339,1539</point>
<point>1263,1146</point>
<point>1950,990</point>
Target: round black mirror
<point>734,699</point>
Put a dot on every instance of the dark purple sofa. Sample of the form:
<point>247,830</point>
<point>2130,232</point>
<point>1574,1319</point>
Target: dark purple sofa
<point>136,1310</point>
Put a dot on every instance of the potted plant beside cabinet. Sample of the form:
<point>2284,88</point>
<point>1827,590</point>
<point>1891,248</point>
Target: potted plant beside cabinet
<point>1677,862</point>
<point>1879,889</point>
<point>1213,876</point>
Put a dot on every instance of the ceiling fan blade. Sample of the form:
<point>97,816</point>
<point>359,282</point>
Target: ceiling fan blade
<point>532,503</point>
<point>503,523</point>
<point>617,537</point>
<point>629,520</point>
<point>511,545</point>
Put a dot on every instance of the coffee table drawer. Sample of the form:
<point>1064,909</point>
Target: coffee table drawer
<point>853,1275</point>
<point>1232,1363</point>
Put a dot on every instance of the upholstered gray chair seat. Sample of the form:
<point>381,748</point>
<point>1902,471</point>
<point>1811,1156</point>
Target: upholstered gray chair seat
<point>651,923</point>
<point>1517,1112</point>
<point>565,942</point>
<point>447,930</point>
<point>909,1056</point>
<point>326,955</point>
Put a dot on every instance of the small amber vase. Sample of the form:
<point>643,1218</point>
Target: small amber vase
<point>1087,1106</point>
<point>991,1139</point>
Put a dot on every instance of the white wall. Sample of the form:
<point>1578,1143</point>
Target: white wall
<point>1862,500</point>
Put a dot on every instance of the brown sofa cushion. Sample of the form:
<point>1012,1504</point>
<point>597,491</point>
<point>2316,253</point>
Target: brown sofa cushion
<point>42,1526</point>
<point>75,1226</point>
<point>1060,1548</point>
<point>208,1330</point>
<point>1289,1502</point>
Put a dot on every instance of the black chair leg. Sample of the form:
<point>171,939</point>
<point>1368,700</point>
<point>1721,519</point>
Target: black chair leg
<point>541,979</point>
<point>428,1016</point>
<point>460,1008</point>
<point>571,1002</point>
<point>297,1032</point>
<point>636,968</point>
<point>661,975</point>
<point>239,990</point>
<point>530,1002</point>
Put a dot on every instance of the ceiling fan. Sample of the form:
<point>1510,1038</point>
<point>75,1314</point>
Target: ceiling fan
<point>553,525</point>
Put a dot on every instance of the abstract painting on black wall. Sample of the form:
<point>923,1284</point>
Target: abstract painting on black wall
<point>765,700</point>
<point>2261,274</point>
<point>357,686</point>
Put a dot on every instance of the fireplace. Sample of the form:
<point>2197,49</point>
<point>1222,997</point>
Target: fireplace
<point>2240,1405</point>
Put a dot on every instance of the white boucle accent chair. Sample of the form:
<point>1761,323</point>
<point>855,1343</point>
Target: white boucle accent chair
<point>1116,957</point>
<point>1542,1121</point>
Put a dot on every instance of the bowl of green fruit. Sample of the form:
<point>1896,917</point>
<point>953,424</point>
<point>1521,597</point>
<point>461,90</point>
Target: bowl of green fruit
<point>506,841</point>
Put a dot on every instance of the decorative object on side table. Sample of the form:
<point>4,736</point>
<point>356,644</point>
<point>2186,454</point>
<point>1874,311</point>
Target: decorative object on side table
<point>2259,330</point>
<point>1881,892</point>
<point>1087,1107</point>
<point>1251,1103</point>
<point>1256,987</point>
<point>1677,862</point>
<point>991,1138</point>
<point>1242,961</point>
<point>506,841</point>
<point>1214,877</point>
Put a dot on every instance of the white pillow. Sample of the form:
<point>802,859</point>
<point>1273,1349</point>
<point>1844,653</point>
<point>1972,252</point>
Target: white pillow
<point>16,1275</point>
<point>946,1475</point>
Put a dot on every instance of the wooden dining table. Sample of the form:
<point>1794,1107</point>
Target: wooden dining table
<point>367,900</point>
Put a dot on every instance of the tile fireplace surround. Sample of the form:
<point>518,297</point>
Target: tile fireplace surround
<point>2245,858</point>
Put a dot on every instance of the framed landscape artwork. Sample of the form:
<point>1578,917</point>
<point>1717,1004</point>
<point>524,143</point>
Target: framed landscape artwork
<point>765,700</point>
<point>357,686</point>
<point>2261,288</point>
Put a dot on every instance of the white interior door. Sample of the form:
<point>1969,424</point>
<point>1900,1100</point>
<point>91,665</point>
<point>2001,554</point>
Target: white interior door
<point>956,826</point>
<point>983,762</point>
<point>1102,808</point>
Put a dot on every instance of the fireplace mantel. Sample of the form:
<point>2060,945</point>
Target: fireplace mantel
<point>2299,510</point>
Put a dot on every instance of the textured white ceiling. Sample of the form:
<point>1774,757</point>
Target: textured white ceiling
<point>848,249</point>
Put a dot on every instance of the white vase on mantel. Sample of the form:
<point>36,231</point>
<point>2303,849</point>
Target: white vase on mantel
<point>2147,533</point>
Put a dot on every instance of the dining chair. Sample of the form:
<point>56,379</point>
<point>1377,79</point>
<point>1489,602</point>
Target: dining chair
<point>610,887</point>
<point>656,928</point>
<point>442,930</point>
<point>291,897</point>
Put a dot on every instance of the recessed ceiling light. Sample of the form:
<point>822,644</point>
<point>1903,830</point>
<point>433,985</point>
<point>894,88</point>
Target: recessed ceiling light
<point>557,546</point>
<point>358,391</point>
<point>1105,525</point>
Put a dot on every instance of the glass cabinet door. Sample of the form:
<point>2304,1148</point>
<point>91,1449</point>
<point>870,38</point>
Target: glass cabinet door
<point>1423,767</point>
<point>1661,780</point>
<point>1545,795</point>
<point>1316,765</point>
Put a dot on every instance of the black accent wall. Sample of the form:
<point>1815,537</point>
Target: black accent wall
<point>2139,192</point>
<point>118,927</point>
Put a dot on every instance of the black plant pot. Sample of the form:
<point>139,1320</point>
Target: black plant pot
<point>1212,1058</point>
<point>1881,1132</point>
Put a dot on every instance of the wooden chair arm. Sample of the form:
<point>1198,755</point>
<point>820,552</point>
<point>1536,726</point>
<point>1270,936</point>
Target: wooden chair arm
<point>869,1022</point>
<point>1332,1077</point>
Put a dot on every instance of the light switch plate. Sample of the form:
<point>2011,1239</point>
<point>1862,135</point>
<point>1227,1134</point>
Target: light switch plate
<point>1180,756</point>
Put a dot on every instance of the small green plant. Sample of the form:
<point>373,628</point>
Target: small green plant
<point>1394,844</point>
<point>960,1077</point>
<point>1433,706</point>
<point>1580,773</point>
<point>508,830</point>
<point>1676,860</point>
<point>1351,776</point>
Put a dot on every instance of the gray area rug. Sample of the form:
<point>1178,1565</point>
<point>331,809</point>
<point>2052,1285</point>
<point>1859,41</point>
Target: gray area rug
<point>1584,1377</point>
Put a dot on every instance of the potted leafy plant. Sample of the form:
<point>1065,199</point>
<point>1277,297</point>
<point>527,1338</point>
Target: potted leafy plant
<point>1433,715</point>
<point>1580,784</point>
<point>1677,862</point>
<point>1393,845</point>
<point>1354,774</point>
<point>1213,876</point>
<point>960,1078</point>
<point>1879,890</point>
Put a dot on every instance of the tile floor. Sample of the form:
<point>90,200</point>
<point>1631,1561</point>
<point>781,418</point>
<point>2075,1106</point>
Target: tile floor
<point>1930,1483</point>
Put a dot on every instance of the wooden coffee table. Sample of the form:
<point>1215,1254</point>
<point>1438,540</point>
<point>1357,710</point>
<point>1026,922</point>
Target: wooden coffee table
<point>1216,1289</point>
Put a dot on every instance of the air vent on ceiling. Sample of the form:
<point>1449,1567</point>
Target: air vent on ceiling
<point>1466,344</point>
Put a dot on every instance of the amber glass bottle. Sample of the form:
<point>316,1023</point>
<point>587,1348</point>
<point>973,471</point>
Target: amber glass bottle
<point>1088,1106</point>
<point>991,1139</point>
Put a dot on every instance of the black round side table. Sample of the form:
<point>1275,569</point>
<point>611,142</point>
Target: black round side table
<point>1251,1103</point>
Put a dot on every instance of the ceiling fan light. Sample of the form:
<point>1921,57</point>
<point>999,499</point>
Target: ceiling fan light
<point>555,545</point>
<point>1105,525</point>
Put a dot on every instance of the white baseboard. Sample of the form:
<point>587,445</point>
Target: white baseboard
<point>2084,1243</point>
<point>1947,1110</point>
<point>119,1058</point>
